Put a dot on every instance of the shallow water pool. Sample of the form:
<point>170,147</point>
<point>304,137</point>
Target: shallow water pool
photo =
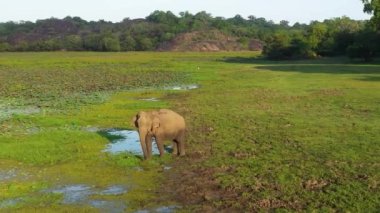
<point>126,141</point>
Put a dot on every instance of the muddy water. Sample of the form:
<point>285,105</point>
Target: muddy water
<point>126,141</point>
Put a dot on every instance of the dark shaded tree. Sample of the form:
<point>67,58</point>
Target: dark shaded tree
<point>365,45</point>
<point>373,7</point>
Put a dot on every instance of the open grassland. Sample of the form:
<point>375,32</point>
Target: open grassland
<point>262,135</point>
<point>299,136</point>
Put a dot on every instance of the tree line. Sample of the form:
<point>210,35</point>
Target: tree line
<point>74,33</point>
<point>332,37</point>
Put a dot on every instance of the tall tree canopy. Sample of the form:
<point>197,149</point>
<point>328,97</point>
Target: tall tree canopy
<point>373,7</point>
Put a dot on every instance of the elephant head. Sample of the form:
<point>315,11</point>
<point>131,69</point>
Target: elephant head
<point>147,124</point>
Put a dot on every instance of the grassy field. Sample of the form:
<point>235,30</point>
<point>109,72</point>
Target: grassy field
<point>285,136</point>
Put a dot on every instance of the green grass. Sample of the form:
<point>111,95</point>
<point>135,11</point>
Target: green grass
<point>297,136</point>
<point>293,136</point>
<point>69,80</point>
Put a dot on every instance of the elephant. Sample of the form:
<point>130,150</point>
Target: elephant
<point>163,124</point>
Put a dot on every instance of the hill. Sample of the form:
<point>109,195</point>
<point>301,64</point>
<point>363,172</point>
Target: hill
<point>158,31</point>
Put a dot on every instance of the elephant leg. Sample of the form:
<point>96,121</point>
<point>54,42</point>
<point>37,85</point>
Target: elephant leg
<point>148,142</point>
<point>181,144</point>
<point>175,147</point>
<point>160,145</point>
<point>181,148</point>
<point>143,135</point>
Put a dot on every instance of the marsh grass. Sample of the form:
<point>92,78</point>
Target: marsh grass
<point>291,136</point>
<point>74,94</point>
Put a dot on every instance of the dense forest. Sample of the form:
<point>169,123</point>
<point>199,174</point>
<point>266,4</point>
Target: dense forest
<point>338,36</point>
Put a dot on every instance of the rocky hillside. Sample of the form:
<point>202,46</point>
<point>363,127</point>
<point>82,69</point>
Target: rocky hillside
<point>208,41</point>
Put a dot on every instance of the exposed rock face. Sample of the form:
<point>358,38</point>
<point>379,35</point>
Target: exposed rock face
<point>207,41</point>
<point>255,45</point>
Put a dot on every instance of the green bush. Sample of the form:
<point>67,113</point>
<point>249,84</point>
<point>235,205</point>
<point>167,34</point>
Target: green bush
<point>127,43</point>
<point>4,46</point>
<point>73,42</point>
<point>281,47</point>
<point>111,44</point>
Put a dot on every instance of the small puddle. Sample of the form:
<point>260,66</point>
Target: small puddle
<point>183,87</point>
<point>91,129</point>
<point>74,193</point>
<point>114,190</point>
<point>149,99</point>
<point>9,202</point>
<point>162,209</point>
<point>13,174</point>
<point>6,175</point>
<point>126,141</point>
<point>80,194</point>
<point>8,111</point>
<point>108,206</point>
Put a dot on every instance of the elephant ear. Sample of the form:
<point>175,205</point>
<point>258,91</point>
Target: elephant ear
<point>135,120</point>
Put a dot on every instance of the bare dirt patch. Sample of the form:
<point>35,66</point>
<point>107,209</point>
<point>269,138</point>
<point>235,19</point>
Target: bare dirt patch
<point>191,184</point>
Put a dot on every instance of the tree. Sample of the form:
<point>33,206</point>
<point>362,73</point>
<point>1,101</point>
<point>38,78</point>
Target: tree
<point>22,46</point>
<point>220,23</point>
<point>144,44</point>
<point>93,42</point>
<point>276,47</point>
<point>342,40</point>
<point>4,46</point>
<point>127,43</point>
<point>201,21</point>
<point>284,23</point>
<point>373,7</point>
<point>237,20</point>
<point>51,44</point>
<point>185,21</point>
<point>286,46</point>
<point>163,17</point>
<point>363,46</point>
<point>330,37</point>
<point>73,42</point>
<point>300,48</point>
<point>110,43</point>
<point>316,33</point>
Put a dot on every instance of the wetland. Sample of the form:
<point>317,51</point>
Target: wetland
<point>262,135</point>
